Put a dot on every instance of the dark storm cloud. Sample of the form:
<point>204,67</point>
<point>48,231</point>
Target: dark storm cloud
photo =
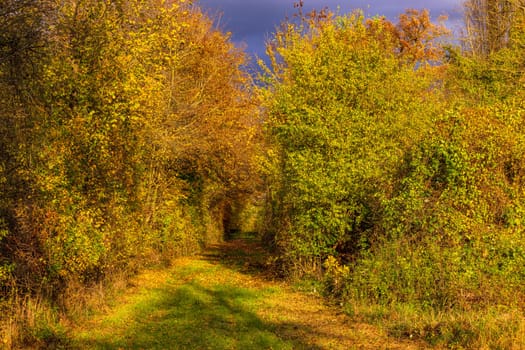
<point>253,21</point>
<point>251,17</point>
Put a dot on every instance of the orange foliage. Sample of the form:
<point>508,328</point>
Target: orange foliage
<point>414,37</point>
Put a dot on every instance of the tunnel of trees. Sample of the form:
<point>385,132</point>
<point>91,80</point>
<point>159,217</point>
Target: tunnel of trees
<point>385,161</point>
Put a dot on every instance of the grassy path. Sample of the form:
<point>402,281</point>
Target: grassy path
<point>221,300</point>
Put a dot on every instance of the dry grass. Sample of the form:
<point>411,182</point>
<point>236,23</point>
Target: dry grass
<point>30,323</point>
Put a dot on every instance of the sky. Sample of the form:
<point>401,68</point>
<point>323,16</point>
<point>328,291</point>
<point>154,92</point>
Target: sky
<point>252,22</point>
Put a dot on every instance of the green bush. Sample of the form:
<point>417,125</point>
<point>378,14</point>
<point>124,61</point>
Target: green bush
<point>394,181</point>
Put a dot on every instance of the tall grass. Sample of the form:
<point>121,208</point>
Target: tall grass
<point>30,321</point>
<point>490,328</point>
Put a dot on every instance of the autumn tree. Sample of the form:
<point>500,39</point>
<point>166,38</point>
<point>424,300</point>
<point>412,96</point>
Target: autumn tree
<point>488,24</point>
<point>212,121</point>
<point>130,130</point>
<point>418,37</point>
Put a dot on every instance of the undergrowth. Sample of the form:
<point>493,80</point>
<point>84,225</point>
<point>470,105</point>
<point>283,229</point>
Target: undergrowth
<point>488,328</point>
<point>31,322</point>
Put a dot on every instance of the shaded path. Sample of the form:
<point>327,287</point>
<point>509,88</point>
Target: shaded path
<point>223,300</point>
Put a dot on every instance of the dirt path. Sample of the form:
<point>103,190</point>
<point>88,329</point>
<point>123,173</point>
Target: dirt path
<point>223,300</point>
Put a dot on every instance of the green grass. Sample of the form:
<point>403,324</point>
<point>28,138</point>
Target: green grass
<point>221,300</point>
<point>190,310</point>
<point>191,316</point>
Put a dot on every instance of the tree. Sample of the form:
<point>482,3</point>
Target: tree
<point>22,48</point>
<point>129,130</point>
<point>418,36</point>
<point>344,101</point>
<point>488,24</point>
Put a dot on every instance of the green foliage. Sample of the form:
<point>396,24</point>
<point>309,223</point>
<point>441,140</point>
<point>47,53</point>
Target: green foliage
<point>341,112</point>
<point>406,182</point>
